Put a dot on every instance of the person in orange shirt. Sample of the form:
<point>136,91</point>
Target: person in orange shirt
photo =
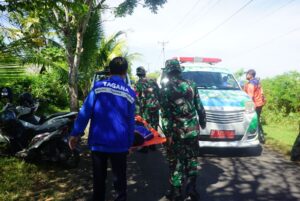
<point>255,91</point>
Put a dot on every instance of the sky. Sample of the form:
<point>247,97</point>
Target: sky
<point>259,34</point>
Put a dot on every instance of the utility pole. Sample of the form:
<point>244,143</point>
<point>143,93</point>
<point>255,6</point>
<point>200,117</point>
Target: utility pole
<point>163,44</point>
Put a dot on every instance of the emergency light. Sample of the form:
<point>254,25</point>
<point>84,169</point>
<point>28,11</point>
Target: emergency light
<point>198,60</point>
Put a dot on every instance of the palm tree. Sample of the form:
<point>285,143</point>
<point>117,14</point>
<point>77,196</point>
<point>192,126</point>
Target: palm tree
<point>31,43</point>
<point>90,45</point>
<point>114,46</point>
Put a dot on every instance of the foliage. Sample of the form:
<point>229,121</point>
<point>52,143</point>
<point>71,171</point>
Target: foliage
<point>47,87</point>
<point>88,61</point>
<point>283,97</point>
<point>239,74</point>
<point>109,48</point>
<point>11,70</point>
<point>128,6</point>
<point>69,20</point>
<point>154,75</point>
<point>114,46</point>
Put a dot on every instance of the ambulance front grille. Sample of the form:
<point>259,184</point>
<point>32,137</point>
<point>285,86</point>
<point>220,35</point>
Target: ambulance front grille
<point>225,117</point>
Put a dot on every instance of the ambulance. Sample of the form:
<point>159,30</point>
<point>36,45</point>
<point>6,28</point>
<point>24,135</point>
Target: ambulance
<point>230,113</point>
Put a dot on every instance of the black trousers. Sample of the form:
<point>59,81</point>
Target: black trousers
<point>258,112</point>
<point>118,165</point>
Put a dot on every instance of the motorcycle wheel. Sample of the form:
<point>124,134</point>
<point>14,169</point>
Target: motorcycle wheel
<point>56,151</point>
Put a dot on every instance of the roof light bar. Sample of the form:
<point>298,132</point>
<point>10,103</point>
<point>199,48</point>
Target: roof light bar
<point>198,60</point>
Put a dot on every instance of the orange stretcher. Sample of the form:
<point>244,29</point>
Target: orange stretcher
<point>157,138</point>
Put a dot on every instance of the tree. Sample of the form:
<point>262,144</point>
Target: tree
<point>31,42</point>
<point>91,44</point>
<point>283,93</point>
<point>154,75</point>
<point>70,18</point>
<point>239,74</point>
<point>111,47</point>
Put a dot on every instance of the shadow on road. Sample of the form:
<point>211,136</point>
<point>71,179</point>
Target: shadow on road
<point>225,175</point>
<point>148,176</point>
<point>232,175</point>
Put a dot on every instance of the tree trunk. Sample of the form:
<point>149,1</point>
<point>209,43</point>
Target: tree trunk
<point>75,61</point>
<point>73,89</point>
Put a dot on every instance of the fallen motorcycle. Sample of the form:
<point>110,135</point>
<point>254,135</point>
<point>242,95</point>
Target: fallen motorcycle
<point>47,141</point>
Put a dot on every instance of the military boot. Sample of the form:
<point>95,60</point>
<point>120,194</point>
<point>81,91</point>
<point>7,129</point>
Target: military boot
<point>174,194</point>
<point>169,193</point>
<point>191,190</point>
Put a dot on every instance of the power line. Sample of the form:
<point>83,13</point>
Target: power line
<point>270,41</point>
<point>185,16</point>
<point>265,16</point>
<point>219,25</point>
<point>201,16</point>
<point>276,10</point>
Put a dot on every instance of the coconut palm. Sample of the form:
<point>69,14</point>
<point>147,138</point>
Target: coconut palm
<point>114,46</point>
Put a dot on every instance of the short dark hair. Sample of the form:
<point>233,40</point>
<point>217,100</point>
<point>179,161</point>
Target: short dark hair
<point>118,66</point>
<point>251,72</point>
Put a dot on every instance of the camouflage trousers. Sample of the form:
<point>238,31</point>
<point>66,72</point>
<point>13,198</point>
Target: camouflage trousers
<point>152,117</point>
<point>182,158</point>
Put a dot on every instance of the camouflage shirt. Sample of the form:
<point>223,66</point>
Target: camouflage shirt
<point>147,95</point>
<point>180,105</point>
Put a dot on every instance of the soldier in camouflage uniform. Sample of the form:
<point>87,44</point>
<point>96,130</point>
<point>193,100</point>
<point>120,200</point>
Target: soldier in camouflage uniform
<point>182,112</point>
<point>147,99</point>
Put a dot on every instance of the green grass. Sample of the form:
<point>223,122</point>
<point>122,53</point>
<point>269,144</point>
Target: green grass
<point>17,179</point>
<point>281,136</point>
<point>20,181</point>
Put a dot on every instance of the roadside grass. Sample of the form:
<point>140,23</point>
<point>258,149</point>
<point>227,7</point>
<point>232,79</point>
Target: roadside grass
<point>281,137</point>
<point>20,180</point>
<point>17,178</point>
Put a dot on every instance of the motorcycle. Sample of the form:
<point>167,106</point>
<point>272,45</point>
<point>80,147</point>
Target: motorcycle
<point>45,140</point>
<point>28,107</point>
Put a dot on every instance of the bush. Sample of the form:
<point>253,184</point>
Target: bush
<point>46,87</point>
<point>283,93</point>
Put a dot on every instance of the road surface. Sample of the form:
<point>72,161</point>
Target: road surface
<point>225,175</point>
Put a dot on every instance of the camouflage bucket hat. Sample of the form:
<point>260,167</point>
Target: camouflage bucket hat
<point>172,65</point>
<point>140,71</point>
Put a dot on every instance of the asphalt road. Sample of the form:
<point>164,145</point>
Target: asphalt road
<point>225,175</point>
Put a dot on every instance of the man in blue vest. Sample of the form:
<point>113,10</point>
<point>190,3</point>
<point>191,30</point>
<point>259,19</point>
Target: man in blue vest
<point>110,106</point>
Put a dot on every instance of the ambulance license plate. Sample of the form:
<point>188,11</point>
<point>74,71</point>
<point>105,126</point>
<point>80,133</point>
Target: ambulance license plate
<point>222,134</point>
